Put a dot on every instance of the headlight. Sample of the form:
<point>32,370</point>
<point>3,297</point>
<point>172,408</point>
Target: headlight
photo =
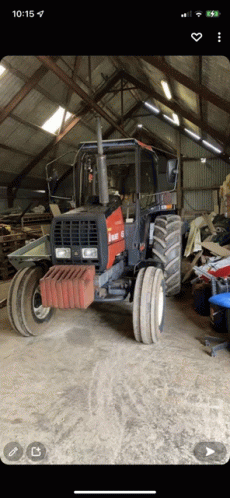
<point>89,252</point>
<point>63,252</point>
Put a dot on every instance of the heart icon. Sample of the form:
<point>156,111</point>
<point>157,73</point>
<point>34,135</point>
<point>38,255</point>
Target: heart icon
<point>196,36</point>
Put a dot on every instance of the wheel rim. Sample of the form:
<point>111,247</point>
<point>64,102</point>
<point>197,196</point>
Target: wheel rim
<point>40,311</point>
<point>160,305</point>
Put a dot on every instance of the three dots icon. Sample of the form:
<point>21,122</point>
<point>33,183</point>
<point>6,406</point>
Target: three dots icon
<point>219,36</point>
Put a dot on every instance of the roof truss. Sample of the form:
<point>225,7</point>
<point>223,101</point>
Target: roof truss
<point>90,102</point>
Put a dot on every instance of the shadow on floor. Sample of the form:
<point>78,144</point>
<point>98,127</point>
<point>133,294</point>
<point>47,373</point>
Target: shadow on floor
<point>116,316</point>
<point>184,303</point>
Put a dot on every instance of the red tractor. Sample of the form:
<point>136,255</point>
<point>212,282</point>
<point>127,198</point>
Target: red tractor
<point>122,239</point>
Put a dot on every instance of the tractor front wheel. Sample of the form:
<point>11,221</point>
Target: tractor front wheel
<point>25,311</point>
<point>149,305</point>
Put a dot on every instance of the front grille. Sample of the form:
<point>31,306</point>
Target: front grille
<point>69,233</point>
<point>78,231</point>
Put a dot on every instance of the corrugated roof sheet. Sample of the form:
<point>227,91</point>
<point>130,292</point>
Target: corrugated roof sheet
<point>209,174</point>
<point>215,75</point>
<point>198,201</point>
<point>35,108</point>
<point>187,66</point>
<point>50,92</point>
<point>9,86</point>
<point>27,65</point>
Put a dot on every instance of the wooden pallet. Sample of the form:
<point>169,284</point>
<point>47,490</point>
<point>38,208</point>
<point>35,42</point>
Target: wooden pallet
<point>9,244</point>
<point>7,270</point>
<point>33,218</point>
<point>12,237</point>
<point>8,248</point>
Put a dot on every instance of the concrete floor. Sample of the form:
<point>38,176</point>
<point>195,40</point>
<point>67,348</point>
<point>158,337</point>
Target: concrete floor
<point>92,395</point>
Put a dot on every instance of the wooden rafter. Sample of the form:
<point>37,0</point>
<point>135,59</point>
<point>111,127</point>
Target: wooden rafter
<point>23,92</point>
<point>16,182</point>
<point>50,64</point>
<point>127,115</point>
<point>224,156</point>
<point>156,142</point>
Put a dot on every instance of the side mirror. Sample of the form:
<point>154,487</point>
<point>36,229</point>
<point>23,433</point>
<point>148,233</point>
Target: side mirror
<point>172,171</point>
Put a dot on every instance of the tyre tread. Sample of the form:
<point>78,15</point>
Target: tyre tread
<point>170,255</point>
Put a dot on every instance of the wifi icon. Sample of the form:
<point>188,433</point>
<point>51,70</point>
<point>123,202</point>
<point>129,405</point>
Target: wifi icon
<point>198,13</point>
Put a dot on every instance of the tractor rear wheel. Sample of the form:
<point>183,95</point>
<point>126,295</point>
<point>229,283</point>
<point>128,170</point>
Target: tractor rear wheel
<point>149,305</point>
<point>167,250</point>
<point>25,310</point>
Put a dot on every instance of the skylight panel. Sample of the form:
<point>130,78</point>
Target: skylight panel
<point>53,124</point>
<point>2,69</point>
<point>166,89</point>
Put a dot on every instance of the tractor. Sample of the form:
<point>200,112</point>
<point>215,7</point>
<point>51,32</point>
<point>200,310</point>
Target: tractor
<point>121,238</point>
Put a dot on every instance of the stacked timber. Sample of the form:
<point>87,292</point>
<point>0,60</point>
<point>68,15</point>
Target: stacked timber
<point>9,243</point>
<point>36,218</point>
<point>225,197</point>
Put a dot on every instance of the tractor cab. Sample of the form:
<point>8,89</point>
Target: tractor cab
<point>129,173</point>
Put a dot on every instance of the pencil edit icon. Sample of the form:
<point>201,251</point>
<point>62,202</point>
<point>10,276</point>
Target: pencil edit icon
<point>13,451</point>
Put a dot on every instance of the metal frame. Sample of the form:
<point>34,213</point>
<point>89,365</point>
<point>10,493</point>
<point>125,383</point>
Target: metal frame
<point>32,253</point>
<point>73,198</point>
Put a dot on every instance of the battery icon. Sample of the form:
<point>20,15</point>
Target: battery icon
<point>212,13</point>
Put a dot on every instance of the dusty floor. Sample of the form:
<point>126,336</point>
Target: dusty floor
<point>91,394</point>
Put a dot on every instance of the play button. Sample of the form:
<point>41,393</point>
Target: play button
<point>210,451</point>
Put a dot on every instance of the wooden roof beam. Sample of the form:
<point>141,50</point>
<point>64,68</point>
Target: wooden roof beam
<point>85,108</point>
<point>23,92</point>
<point>50,64</point>
<point>224,156</point>
<point>126,116</point>
<point>155,141</point>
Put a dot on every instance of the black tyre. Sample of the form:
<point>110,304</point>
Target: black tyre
<point>13,303</point>
<point>146,301</point>
<point>148,305</point>
<point>167,249</point>
<point>26,313</point>
<point>158,306</point>
<point>137,305</point>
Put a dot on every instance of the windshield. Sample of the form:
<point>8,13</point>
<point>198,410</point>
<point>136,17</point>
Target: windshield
<point>121,176</point>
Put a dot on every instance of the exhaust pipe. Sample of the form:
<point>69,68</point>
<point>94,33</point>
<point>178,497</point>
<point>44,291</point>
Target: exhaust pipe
<point>101,168</point>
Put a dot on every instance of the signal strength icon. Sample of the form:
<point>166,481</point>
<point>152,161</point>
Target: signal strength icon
<point>198,13</point>
<point>187,14</point>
